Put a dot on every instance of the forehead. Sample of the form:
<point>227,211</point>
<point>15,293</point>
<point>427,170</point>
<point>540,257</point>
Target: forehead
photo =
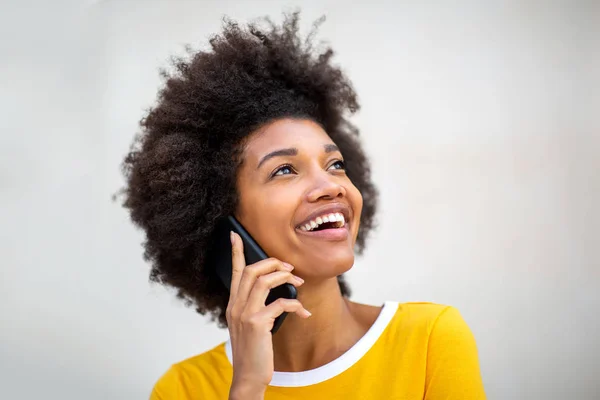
<point>303,134</point>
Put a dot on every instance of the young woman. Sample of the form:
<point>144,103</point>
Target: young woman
<point>258,127</point>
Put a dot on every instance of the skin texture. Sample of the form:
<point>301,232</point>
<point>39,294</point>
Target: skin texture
<point>274,198</point>
<point>271,207</point>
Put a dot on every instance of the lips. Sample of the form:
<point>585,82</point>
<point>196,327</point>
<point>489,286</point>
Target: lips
<point>336,208</point>
<point>326,221</point>
<point>338,231</point>
<point>330,234</point>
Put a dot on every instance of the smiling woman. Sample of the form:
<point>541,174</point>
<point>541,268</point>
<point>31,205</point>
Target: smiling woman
<point>294,173</point>
<point>257,128</point>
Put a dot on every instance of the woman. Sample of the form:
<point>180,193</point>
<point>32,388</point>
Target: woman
<point>257,127</point>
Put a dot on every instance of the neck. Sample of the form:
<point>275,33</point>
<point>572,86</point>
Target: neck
<point>335,326</point>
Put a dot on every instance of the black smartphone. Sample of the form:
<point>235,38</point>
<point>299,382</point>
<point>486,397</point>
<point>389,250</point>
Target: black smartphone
<point>220,259</point>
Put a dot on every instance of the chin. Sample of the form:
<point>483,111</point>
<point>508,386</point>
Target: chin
<point>327,266</point>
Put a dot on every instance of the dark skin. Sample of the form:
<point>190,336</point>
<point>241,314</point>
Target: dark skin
<point>279,192</point>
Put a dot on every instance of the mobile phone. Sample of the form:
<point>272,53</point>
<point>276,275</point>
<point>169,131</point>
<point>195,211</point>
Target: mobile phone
<point>220,259</point>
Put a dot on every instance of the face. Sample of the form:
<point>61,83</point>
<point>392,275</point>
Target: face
<point>296,200</point>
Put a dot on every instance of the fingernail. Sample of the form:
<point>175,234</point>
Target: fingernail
<point>299,279</point>
<point>231,237</point>
<point>287,266</point>
<point>308,313</point>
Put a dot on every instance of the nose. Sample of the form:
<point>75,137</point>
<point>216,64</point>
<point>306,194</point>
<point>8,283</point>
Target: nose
<point>325,187</point>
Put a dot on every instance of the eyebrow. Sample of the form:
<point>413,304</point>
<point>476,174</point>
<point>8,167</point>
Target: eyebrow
<point>292,151</point>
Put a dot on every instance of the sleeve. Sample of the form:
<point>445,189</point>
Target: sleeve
<point>167,386</point>
<point>452,361</point>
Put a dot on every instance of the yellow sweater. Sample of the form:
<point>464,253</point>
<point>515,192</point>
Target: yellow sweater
<point>412,351</point>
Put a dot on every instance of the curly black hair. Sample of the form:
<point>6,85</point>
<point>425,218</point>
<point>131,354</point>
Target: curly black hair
<point>181,169</point>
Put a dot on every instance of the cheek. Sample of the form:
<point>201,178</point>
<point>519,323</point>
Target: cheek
<point>271,222</point>
<point>266,212</point>
<point>356,202</point>
<point>277,205</point>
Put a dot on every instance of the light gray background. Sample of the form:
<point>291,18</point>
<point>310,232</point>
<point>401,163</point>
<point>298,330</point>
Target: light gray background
<point>481,120</point>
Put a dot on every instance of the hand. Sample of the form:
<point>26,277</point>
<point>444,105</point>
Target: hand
<point>250,322</point>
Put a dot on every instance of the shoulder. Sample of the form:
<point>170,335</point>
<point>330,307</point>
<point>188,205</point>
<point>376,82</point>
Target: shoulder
<point>215,357</point>
<point>168,385</point>
<point>452,362</point>
<point>199,367</point>
<point>432,322</point>
<point>425,315</point>
<point>423,308</point>
<point>440,335</point>
<point>440,320</point>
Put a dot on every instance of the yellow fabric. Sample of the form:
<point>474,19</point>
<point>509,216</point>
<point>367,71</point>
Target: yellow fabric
<point>427,351</point>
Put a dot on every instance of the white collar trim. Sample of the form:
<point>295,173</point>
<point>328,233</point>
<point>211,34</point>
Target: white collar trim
<point>340,364</point>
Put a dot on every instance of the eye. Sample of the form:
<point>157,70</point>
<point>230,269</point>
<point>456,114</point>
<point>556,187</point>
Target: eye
<point>339,164</point>
<point>283,170</point>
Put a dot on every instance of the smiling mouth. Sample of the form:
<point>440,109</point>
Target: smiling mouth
<point>324,222</point>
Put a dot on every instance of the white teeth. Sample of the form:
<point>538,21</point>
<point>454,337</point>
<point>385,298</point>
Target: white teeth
<point>337,218</point>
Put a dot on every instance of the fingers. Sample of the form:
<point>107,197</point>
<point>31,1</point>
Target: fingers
<point>262,286</point>
<point>250,286</point>
<point>252,272</point>
<point>281,305</point>
<point>238,263</point>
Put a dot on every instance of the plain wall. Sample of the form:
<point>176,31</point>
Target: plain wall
<point>481,121</point>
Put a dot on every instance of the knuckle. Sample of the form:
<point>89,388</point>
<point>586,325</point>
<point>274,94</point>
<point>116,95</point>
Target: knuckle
<point>262,281</point>
<point>284,303</point>
<point>234,315</point>
<point>274,261</point>
<point>276,306</point>
<point>294,304</point>
<point>228,313</point>
<point>288,274</point>
<point>252,270</point>
<point>249,319</point>
<point>244,318</point>
<point>254,320</point>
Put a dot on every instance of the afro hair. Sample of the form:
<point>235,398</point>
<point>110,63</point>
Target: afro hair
<point>180,171</point>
